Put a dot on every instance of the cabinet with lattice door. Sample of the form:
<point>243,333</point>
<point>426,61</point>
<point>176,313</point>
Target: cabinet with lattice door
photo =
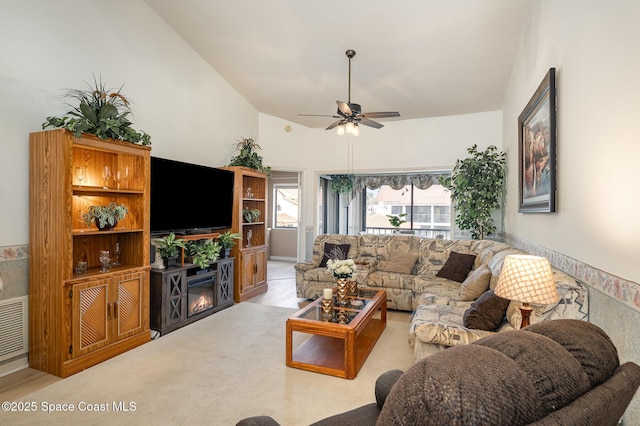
<point>80,311</point>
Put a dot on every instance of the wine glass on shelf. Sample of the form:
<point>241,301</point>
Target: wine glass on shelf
<point>117,177</point>
<point>105,258</point>
<point>126,177</point>
<point>117,250</point>
<point>106,175</point>
<point>81,173</point>
<point>249,237</point>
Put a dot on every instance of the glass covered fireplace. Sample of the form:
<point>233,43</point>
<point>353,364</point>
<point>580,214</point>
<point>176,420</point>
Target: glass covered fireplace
<point>200,293</point>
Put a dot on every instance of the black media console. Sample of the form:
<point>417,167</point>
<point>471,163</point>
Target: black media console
<point>181,295</point>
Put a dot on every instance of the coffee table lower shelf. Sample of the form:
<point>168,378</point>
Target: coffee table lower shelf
<point>331,355</point>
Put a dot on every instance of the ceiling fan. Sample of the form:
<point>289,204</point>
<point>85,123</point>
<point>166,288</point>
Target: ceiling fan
<point>350,114</point>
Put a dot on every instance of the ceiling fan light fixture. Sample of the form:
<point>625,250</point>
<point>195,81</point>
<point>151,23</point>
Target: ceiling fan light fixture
<point>349,127</point>
<point>356,130</point>
<point>340,130</point>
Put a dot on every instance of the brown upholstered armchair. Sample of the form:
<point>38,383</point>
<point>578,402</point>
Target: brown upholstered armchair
<point>554,372</point>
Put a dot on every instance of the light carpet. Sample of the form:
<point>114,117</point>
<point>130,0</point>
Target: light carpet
<point>217,371</point>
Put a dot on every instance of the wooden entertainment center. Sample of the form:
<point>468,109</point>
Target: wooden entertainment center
<point>79,317</point>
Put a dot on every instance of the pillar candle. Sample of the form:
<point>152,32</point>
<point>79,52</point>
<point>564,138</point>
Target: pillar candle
<point>327,293</point>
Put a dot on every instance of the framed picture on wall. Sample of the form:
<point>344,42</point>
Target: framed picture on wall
<point>537,149</point>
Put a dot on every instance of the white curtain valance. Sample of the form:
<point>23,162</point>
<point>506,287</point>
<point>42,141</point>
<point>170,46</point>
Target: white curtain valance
<point>419,180</point>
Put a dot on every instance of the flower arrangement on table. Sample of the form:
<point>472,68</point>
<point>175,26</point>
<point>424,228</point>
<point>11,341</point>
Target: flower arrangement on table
<point>341,268</point>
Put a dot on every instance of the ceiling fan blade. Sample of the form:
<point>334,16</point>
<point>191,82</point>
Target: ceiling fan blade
<point>319,115</point>
<point>334,125</point>
<point>344,108</point>
<point>380,114</point>
<point>370,123</point>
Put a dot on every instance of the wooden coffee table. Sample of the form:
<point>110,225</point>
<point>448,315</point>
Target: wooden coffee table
<point>337,349</point>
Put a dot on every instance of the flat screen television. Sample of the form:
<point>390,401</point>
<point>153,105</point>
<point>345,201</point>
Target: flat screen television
<point>189,198</point>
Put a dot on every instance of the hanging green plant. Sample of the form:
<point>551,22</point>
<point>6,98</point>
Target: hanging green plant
<point>248,157</point>
<point>342,184</point>
<point>476,185</point>
<point>99,113</point>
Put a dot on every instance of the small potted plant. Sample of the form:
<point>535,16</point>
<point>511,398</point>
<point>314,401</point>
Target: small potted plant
<point>105,217</point>
<point>203,252</point>
<point>250,215</point>
<point>227,242</point>
<point>397,220</point>
<point>169,248</point>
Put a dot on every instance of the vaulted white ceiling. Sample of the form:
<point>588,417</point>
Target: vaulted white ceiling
<point>423,58</point>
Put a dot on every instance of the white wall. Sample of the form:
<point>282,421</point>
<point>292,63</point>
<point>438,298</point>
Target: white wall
<point>425,144</point>
<point>593,46</point>
<point>191,113</point>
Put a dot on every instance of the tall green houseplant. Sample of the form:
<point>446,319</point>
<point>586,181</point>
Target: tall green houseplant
<point>476,184</point>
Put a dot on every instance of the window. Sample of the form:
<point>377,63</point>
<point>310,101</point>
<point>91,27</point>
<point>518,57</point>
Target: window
<point>428,211</point>
<point>285,204</point>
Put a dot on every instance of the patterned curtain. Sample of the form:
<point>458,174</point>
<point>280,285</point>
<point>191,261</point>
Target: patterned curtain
<point>399,181</point>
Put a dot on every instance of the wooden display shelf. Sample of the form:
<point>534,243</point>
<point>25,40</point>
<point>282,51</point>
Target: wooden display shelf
<point>84,232</point>
<point>97,190</point>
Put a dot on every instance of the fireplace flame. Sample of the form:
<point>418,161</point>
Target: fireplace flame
<point>202,304</point>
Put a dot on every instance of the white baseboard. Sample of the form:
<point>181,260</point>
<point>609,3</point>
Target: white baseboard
<point>14,365</point>
<point>288,259</point>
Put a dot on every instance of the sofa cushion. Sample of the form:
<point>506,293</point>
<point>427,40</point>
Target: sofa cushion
<point>588,343</point>
<point>555,377</point>
<point>335,252</point>
<point>442,390</point>
<point>442,325</point>
<point>457,266</point>
<point>390,280</point>
<point>476,283</point>
<point>487,312</point>
<point>399,261</point>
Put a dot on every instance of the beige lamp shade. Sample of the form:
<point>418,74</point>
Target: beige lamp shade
<point>527,279</point>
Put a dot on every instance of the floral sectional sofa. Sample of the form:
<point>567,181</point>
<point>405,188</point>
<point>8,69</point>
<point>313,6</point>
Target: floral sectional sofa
<point>408,267</point>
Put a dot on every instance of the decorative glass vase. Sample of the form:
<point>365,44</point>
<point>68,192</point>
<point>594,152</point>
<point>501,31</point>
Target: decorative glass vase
<point>341,293</point>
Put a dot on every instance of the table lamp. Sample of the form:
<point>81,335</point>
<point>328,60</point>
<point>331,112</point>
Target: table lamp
<point>527,279</point>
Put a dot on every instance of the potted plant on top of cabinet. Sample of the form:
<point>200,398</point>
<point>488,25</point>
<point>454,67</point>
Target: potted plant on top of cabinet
<point>101,112</point>
<point>169,248</point>
<point>227,242</point>
<point>203,252</point>
<point>248,157</point>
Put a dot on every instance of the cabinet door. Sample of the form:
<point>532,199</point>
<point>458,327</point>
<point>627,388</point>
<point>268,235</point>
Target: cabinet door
<point>128,305</point>
<point>224,285</point>
<point>90,317</point>
<point>248,271</point>
<point>260,259</point>
<point>174,298</point>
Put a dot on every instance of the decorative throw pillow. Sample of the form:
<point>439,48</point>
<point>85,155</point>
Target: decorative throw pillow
<point>335,252</point>
<point>457,266</point>
<point>476,283</point>
<point>399,261</point>
<point>486,313</point>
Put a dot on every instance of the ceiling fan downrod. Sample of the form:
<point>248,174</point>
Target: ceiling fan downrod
<point>350,54</point>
